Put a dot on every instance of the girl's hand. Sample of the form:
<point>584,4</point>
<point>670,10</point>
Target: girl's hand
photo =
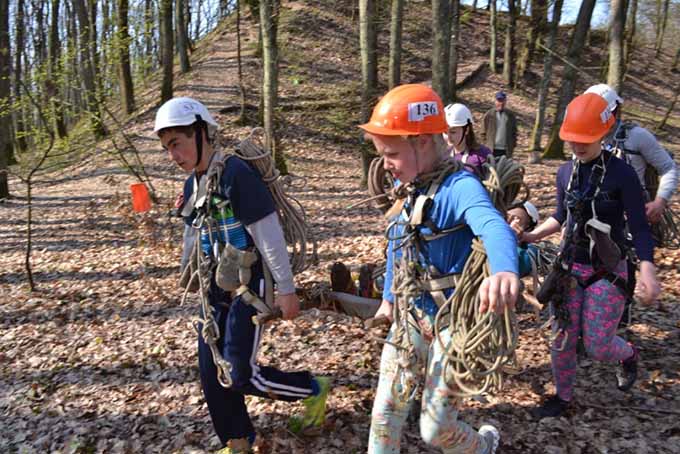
<point>648,289</point>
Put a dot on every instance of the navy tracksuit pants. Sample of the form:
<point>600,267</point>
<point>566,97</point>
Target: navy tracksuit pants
<point>239,343</point>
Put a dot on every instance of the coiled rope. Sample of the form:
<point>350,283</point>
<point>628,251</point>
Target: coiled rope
<point>291,213</point>
<point>482,346</point>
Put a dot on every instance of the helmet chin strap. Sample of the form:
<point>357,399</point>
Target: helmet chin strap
<point>199,125</point>
<point>462,137</point>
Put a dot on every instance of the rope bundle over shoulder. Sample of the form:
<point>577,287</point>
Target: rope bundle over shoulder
<point>291,213</point>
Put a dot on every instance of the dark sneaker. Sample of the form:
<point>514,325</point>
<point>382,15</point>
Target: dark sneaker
<point>552,407</point>
<point>491,436</point>
<point>627,374</point>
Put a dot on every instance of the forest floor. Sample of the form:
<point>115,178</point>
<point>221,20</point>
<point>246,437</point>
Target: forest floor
<point>102,356</point>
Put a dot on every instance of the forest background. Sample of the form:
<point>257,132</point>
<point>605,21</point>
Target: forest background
<point>96,350</point>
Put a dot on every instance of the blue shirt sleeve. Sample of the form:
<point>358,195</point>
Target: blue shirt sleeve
<point>250,198</point>
<point>471,201</point>
<point>389,275</point>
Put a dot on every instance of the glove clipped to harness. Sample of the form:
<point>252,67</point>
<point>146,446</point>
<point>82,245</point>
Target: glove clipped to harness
<point>602,247</point>
<point>233,268</point>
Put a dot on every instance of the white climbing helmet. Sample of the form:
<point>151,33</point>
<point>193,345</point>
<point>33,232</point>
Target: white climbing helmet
<point>457,115</point>
<point>183,112</point>
<point>608,93</point>
<point>531,210</point>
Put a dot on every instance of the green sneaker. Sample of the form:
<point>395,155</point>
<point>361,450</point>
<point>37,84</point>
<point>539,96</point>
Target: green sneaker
<point>315,408</point>
<point>236,446</point>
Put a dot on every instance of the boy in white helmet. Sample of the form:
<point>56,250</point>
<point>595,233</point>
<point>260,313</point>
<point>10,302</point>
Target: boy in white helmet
<point>248,222</point>
<point>640,147</point>
<point>461,138</point>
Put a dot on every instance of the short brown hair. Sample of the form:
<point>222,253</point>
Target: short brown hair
<point>187,130</point>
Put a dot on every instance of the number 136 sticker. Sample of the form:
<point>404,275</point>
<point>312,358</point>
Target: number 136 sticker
<point>417,111</point>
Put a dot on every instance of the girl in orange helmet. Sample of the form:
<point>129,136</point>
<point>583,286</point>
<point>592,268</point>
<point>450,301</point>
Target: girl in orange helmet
<point>406,129</point>
<point>597,194</point>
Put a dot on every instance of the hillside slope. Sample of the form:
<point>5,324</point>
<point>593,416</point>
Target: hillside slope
<point>102,357</point>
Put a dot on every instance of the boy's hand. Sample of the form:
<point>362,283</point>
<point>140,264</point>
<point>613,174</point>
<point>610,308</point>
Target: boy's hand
<point>289,304</point>
<point>498,291</point>
<point>516,226</point>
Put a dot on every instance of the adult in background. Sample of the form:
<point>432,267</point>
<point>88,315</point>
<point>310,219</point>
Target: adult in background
<point>597,195</point>
<point>500,127</point>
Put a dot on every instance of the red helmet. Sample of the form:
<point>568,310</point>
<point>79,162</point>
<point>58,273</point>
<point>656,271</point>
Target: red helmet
<point>408,110</point>
<point>587,119</point>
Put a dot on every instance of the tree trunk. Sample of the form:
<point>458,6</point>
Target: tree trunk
<point>269,19</point>
<point>241,87</point>
<point>167,47</point>
<point>555,147</point>
<point>545,82</point>
<point>539,17</point>
<point>18,74</point>
<point>39,34</point>
<point>395,43</point>
<point>474,5</point>
<point>662,28</point>
<point>55,71</point>
<point>667,115</point>
<point>617,18</point>
<point>509,54</point>
<point>493,34</point>
<point>5,121</point>
<point>94,51</point>
<point>124,74</point>
<point>87,69</point>
<point>441,35</point>
<point>676,60</point>
<point>630,29</point>
<point>148,37</point>
<point>197,27</point>
<point>182,40</point>
<point>369,71</point>
<point>453,51</point>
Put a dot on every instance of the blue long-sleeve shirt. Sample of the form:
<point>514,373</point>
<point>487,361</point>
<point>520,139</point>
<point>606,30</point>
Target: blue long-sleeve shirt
<point>460,199</point>
<point>620,193</point>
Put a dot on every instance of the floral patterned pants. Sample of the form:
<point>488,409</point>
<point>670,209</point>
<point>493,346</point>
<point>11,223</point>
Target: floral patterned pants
<point>439,424</point>
<point>594,314</point>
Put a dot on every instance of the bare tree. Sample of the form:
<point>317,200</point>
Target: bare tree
<point>19,27</point>
<point>395,43</point>
<point>269,19</point>
<point>369,71</point>
<point>493,33</point>
<point>630,29</point>
<point>617,18</point>
<point>676,60</point>
<point>123,45</point>
<point>87,70</point>
<point>671,106</point>
<point>453,51</point>
<point>545,82</point>
<point>555,146</point>
<point>537,25</point>
<point>441,42</point>
<point>5,122</point>
<point>182,39</point>
<point>167,47</point>
<point>509,54</point>
<point>241,86</point>
<point>662,19</point>
<point>54,72</point>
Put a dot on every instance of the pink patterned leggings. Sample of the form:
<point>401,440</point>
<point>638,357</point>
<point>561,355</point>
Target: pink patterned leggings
<point>594,314</point>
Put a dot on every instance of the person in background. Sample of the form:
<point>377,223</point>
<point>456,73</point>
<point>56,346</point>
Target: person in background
<point>461,138</point>
<point>500,127</point>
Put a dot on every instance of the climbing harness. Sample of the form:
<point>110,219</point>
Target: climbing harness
<point>482,345</point>
<point>221,251</point>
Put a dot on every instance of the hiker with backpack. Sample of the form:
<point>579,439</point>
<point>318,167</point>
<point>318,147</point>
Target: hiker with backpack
<point>597,196</point>
<point>239,242</point>
<point>439,210</point>
<point>639,148</point>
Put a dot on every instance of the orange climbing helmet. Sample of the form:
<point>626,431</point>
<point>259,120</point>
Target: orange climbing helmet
<point>587,119</point>
<point>408,110</point>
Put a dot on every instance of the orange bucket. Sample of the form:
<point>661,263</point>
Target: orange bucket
<point>140,197</point>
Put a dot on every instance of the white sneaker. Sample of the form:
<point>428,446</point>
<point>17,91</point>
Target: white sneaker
<point>491,436</point>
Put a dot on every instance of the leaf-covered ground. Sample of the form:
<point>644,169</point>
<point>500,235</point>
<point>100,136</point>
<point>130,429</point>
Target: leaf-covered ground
<point>102,358</point>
